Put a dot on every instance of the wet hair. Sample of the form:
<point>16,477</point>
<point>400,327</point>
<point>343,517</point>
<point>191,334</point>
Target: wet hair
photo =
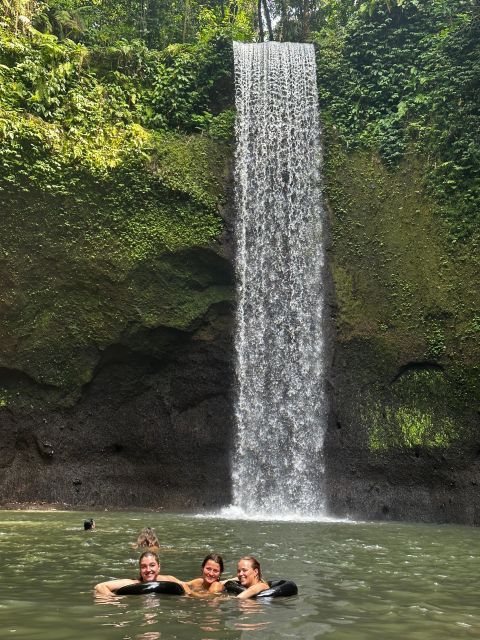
<point>148,554</point>
<point>215,558</point>
<point>88,524</point>
<point>255,565</point>
<point>147,538</point>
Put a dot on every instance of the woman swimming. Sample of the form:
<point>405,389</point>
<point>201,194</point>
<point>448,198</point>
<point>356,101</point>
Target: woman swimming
<point>147,539</point>
<point>249,576</point>
<point>149,572</point>
<point>212,568</point>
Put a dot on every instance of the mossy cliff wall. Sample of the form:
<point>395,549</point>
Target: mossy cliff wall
<point>401,79</point>
<point>404,441</point>
<point>115,288</point>
<point>116,359</point>
<point>115,297</point>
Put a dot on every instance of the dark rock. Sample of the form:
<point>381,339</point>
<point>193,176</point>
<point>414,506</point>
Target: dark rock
<point>146,432</point>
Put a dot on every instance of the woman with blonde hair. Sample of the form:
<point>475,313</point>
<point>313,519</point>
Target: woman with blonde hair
<point>249,576</point>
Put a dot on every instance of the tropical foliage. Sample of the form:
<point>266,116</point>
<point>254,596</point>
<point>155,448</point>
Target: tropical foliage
<point>394,75</point>
<point>59,92</point>
<point>405,75</point>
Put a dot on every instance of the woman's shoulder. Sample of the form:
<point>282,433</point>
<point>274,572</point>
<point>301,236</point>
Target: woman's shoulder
<point>195,583</point>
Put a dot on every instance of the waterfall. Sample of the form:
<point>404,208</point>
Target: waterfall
<point>280,405</point>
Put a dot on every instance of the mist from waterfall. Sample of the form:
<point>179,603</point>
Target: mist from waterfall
<point>281,404</point>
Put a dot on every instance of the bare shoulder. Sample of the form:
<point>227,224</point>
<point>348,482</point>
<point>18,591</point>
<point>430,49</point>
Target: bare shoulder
<point>216,587</point>
<point>196,583</point>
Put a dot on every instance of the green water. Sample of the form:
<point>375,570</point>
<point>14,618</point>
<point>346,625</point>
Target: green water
<point>356,581</point>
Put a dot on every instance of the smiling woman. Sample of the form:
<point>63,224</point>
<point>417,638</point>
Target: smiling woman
<point>212,568</point>
<point>149,572</point>
<point>250,576</point>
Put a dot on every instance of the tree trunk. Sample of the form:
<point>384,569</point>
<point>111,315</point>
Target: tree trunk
<point>261,33</point>
<point>268,20</point>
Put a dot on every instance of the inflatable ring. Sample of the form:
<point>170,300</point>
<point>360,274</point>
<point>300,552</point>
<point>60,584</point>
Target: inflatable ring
<point>233,586</point>
<point>140,588</point>
<point>278,588</point>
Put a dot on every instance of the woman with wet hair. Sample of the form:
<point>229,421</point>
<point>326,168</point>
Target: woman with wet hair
<point>249,575</point>
<point>149,566</point>
<point>147,539</point>
<point>212,569</point>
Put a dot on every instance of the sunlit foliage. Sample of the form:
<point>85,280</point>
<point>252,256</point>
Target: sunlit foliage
<point>405,76</point>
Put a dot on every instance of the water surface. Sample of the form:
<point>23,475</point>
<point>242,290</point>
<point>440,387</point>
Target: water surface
<point>356,581</point>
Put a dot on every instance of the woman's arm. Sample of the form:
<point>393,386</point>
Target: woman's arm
<point>196,583</point>
<point>253,590</point>
<point>108,588</point>
<point>185,585</point>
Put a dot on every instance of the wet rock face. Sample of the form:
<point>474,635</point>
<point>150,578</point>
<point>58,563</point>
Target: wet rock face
<point>115,331</point>
<point>120,394</point>
<point>410,478</point>
<point>145,432</point>
<point>403,442</point>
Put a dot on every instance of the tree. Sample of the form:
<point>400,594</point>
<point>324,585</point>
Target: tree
<point>18,13</point>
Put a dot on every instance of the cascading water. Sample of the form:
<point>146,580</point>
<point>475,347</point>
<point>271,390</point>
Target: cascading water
<point>280,407</point>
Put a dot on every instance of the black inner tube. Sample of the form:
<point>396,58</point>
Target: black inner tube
<point>278,588</point>
<point>232,586</point>
<point>141,588</point>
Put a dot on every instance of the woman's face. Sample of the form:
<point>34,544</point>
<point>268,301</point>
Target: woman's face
<point>149,569</point>
<point>246,574</point>
<point>211,572</point>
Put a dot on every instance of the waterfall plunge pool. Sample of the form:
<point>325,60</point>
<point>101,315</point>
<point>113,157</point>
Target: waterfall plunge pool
<point>356,581</point>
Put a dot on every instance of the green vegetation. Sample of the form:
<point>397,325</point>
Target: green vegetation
<point>155,24</point>
<point>408,428</point>
<point>113,159</point>
<point>116,121</point>
<point>418,413</point>
<point>403,78</point>
<point>393,268</point>
<point>398,86</point>
<point>403,297</point>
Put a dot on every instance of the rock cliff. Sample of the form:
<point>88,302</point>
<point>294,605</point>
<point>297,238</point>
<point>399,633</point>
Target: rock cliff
<point>116,357</point>
<point>403,440</point>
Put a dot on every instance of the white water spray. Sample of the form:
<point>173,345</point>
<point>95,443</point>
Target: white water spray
<point>280,407</point>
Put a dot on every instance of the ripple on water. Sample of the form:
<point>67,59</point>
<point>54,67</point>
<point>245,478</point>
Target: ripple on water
<point>353,580</point>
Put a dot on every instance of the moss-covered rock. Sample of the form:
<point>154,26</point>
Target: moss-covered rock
<point>133,245</point>
<point>406,368</point>
<point>115,359</point>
